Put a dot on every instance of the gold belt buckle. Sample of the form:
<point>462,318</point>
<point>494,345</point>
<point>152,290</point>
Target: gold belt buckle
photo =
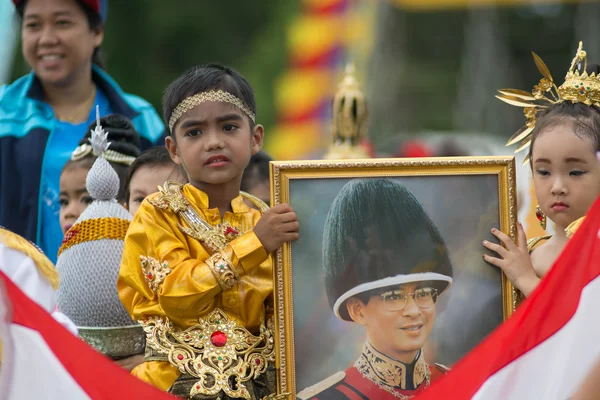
<point>216,347</point>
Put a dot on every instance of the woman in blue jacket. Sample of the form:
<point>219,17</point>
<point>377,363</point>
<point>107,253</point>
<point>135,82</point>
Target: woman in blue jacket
<point>43,115</point>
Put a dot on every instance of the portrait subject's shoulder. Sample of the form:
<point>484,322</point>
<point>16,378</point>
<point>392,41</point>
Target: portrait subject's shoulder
<point>325,384</point>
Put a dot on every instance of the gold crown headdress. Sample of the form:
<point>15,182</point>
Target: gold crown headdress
<point>578,87</point>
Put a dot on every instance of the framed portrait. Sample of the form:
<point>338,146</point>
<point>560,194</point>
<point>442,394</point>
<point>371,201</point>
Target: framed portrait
<point>387,288</point>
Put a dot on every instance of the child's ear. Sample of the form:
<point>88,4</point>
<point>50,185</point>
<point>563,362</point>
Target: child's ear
<point>171,146</point>
<point>258,135</point>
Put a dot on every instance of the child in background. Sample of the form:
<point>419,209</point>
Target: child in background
<point>124,148</point>
<point>152,168</point>
<point>563,138</point>
<point>256,179</point>
<point>196,256</point>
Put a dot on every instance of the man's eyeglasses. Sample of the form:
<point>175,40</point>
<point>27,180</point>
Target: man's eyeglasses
<point>396,300</point>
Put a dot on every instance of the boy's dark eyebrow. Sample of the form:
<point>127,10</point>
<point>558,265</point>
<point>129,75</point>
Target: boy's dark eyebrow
<point>191,122</point>
<point>229,117</point>
<point>222,118</point>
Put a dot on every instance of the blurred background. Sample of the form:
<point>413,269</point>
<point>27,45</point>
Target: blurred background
<point>426,66</point>
<point>429,68</point>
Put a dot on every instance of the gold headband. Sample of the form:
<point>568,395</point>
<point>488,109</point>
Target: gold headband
<point>110,155</point>
<point>213,95</point>
<point>577,88</point>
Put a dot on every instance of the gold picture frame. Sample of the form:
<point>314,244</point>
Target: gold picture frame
<point>284,174</point>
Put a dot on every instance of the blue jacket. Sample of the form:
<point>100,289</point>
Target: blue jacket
<point>26,123</point>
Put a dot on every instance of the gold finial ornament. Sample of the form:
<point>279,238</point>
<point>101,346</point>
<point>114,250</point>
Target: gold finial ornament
<point>578,87</point>
<point>349,119</point>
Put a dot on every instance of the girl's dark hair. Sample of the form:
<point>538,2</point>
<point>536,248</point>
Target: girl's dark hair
<point>94,22</point>
<point>204,78</point>
<point>258,167</point>
<point>152,158</point>
<point>123,139</point>
<point>584,119</point>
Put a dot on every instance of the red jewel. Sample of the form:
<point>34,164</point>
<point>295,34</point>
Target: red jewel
<point>539,215</point>
<point>218,339</point>
<point>180,357</point>
<point>230,230</point>
<point>149,276</point>
<point>258,361</point>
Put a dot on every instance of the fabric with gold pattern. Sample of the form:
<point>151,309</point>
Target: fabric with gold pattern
<point>191,291</point>
<point>44,265</point>
<point>390,374</point>
<point>216,352</point>
<point>94,229</point>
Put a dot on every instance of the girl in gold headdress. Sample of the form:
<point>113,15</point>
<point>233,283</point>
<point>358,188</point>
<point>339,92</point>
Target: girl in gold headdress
<point>563,136</point>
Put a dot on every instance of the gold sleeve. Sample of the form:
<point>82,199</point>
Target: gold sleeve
<point>178,282</point>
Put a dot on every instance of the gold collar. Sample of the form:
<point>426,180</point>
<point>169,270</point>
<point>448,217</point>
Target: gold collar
<point>390,374</point>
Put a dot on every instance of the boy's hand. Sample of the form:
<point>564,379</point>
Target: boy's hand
<point>277,226</point>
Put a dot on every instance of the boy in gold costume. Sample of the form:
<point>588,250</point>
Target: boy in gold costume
<point>196,270</point>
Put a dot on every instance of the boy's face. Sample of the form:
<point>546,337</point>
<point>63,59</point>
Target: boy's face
<point>397,334</point>
<point>73,196</point>
<point>214,143</point>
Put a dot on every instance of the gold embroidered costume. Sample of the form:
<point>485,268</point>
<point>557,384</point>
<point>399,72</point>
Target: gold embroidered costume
<point>172,279</point>
<point>377,376</point>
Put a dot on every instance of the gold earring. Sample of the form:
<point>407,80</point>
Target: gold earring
<point>540,216</point>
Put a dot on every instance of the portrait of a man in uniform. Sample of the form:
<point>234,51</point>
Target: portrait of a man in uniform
<point>385,266</point>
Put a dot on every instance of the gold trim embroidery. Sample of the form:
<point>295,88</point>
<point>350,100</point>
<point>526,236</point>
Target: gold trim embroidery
<point>214,238</point>
<point>154,272</point>
<point>223,270</point>
<point>213,95</point>
<point>390,374</point>
<point>109,155</point>
<point>216,347</point>
<point>94,229</point>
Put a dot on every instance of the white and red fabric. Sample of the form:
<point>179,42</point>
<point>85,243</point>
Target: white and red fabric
<point>41,359</point>
<point>23,271</point>
<point>545,350</point>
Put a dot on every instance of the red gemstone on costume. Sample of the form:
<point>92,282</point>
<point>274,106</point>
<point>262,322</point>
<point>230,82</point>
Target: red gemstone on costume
<point>539,215</point>
<point>180,357</point>
<point>230,231</point>
<point>258,361</point>
<point>149,276</point>
<point>218,339</point>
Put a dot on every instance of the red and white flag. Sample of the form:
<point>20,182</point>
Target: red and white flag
<point>41,359</point>
<point>545,350</point>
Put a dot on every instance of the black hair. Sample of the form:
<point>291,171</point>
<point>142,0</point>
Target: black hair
<point>584,119</point>
<point>377,229</point>
<point>204,78</point>
<point>94,21</point>
<point>151,158</point>
<point>123,139</point>
<point>258,168</point>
